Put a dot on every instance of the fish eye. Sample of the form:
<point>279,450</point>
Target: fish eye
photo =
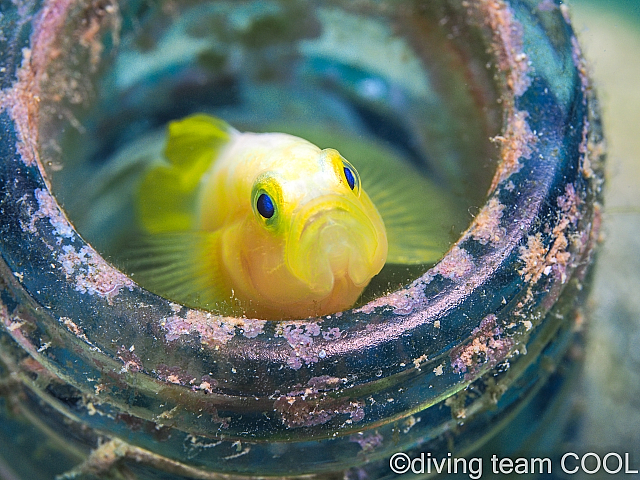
<point>265,206</point>
<point>350,175</point>
<point>351,180</point>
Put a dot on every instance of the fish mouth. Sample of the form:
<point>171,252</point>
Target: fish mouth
<point>334,239</point>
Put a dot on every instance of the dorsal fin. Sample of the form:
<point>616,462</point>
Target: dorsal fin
<point>166,196</point>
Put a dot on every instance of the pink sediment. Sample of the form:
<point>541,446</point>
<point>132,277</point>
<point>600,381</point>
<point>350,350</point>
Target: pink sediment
<point>455,265</point>
<point>213,330</point>
<point>91,273</point>
<point>23,98</point>
<point>301,338</point>
<point>487,349</point>
<point>86,268</point>
<point>49,208</point>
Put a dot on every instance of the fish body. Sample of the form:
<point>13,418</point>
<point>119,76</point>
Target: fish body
<point>262,224</point>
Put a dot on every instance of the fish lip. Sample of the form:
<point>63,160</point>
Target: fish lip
<point>317,217</point>
<point>333,212</point>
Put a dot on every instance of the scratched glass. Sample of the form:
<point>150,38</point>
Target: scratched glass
<point>491,97</point>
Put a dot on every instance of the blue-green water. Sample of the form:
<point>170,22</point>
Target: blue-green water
<point>628,9</point>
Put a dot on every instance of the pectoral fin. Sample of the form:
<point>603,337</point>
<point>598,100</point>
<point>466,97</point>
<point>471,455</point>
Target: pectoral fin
<point>417,214</point>
<point>183,267</point>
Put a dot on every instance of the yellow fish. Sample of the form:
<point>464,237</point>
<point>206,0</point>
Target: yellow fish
<point>285,229</point>
<point>268,225</point>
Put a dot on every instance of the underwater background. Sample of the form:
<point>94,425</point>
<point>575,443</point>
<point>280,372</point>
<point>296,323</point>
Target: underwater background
<point>610,387</point>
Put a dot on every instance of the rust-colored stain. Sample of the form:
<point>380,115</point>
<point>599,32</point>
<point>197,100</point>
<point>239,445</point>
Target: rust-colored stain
<point>587,150</point>
<point>569,204</point>
<point>516,143</point>
<point>580,63</point>
<point>507,44</point>
<point>486,227</point>
<point>177,376</point>
<point>131,361</point>
<point>533,256</point>
<point>77,331</point>
<point>312,405</point>
<point>308,411</point>
<point>102,14</point>
<point>541,260</point>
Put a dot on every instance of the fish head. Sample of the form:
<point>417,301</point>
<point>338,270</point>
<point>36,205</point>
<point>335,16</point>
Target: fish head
<point>321,236</point>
